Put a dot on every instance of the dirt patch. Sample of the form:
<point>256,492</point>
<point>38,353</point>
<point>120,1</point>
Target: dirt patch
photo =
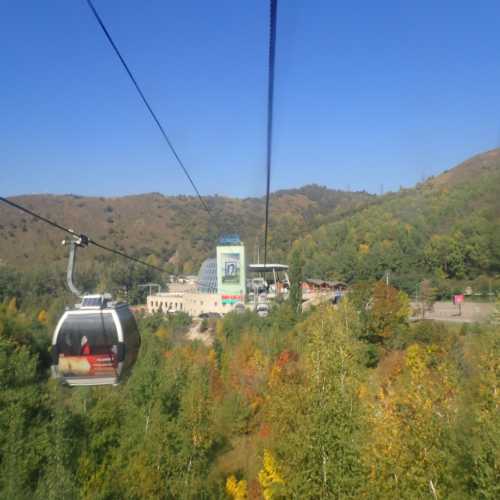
<point>194,333</point>
<point>472,312</point>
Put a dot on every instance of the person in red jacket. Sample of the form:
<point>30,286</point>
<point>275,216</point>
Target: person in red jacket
<point>85,350</point>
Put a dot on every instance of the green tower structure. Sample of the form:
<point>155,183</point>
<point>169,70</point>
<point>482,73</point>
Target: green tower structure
<point>231,269</point>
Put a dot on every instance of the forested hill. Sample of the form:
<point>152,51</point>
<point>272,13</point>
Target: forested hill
<point>172,231</point>
<point>446,228</point>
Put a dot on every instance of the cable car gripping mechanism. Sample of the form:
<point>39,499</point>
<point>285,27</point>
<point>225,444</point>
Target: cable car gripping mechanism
<point>77,241</point>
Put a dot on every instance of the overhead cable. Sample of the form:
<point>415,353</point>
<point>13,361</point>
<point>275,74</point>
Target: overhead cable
<point>148,106</point>
<point>270,105</point>
<point>84,237</point>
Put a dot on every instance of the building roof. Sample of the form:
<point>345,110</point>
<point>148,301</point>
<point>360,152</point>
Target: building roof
<point>261,268</point>
<point>229,240</point>
<point>166,295</point>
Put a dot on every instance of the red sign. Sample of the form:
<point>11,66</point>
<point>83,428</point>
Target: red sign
<point>458,299</point>
<point>231,299</point>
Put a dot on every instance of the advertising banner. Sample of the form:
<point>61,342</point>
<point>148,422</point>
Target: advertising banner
<point>231,268</point>
<point>231,275</point>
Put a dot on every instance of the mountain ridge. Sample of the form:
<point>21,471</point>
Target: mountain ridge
<point>176,232</point>
<point>175,229</point>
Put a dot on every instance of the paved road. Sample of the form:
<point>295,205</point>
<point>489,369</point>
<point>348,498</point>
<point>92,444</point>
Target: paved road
<point>472,312</point>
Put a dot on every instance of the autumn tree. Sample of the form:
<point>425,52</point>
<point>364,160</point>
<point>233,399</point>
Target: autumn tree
<point>315,414</point>
<point>478,428</point>
<point>389,312</point>
<point>270,478</point>
<point>408,440</point>
<point>42,317</point>
<point>236,489</point>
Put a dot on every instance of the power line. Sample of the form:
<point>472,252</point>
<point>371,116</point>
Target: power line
<point>270,103</point>
<point>84,237</point>
<point>146,103</point>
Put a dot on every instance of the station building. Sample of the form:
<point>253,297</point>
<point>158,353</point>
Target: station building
<point>219,288</point>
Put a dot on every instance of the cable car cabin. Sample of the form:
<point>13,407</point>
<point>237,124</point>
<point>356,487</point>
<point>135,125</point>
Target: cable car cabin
<point>262,310</point>
<point>95,343</point>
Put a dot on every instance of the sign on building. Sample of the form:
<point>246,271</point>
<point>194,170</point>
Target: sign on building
<point>231,273</point>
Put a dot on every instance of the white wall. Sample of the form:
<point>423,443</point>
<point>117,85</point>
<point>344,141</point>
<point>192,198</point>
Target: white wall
<point>192,303</point>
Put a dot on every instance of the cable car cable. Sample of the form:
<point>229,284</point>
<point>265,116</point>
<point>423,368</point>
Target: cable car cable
<point>84,237</point>
<point>270,105</point>
<point>148,106</point>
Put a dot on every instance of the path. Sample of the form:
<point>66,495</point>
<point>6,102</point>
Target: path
<point>472,312</point>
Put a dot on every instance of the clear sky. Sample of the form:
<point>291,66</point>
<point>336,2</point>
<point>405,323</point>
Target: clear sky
<point>367,93</point>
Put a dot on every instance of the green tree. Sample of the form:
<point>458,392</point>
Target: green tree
<point>427,296</point>
<point>478,428</point>
<point>388,313</point>
<point>22,422</point>
<point>315,411</point>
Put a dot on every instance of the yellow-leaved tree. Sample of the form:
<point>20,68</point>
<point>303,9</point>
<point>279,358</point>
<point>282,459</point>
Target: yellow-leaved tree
<point>237,490</point>
<point>411,420</point>
<point>12,307</point>
<point>42,316</point>
<point>270,478</point>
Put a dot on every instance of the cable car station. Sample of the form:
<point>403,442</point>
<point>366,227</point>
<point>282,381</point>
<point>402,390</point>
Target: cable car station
<point>225,283</point>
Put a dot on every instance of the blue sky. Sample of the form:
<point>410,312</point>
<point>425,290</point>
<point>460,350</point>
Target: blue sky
<point>367,93</point>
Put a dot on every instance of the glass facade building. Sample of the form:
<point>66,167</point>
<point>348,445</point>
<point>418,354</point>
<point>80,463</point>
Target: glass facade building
<point>207,277</point>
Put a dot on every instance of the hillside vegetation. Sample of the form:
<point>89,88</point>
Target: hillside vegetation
<point>352,401</point>
<point>175,230</point>
<point>447,228</point>
<point>288,406</point>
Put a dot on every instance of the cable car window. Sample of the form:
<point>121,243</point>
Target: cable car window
<point>92,302</point>
<point>85,334</point>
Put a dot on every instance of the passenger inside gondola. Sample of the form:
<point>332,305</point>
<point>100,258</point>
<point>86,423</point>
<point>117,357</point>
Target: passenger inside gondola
<point>88,346</point>
<point>85,351</point>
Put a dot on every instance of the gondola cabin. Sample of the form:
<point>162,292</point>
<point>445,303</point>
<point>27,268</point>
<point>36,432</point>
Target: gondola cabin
<point>95,343</point>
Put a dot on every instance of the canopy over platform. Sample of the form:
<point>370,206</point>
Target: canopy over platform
<point>229,239</point>
<point>268,268</point>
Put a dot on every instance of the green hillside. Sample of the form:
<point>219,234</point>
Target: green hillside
<point>174,231</point>
<point>447,228</point>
